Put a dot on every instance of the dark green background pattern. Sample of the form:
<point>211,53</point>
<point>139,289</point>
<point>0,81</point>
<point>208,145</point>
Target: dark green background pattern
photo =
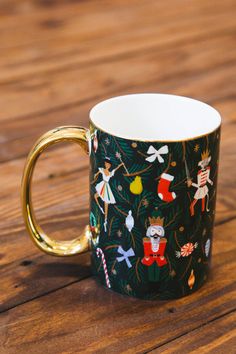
<point>180,227</point>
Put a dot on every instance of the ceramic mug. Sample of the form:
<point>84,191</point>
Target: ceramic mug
<point>153,176</point>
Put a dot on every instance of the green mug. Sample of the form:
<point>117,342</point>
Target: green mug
<point>153,177</point>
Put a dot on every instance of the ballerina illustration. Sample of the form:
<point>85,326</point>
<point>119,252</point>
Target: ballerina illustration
<point>103,189</point>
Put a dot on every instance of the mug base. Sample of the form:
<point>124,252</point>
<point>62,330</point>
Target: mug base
<point>168,290</point>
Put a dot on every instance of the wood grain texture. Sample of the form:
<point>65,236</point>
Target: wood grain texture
<point>59,58</point>
<point>28,53</point>
<point>214,337</point>
<point>42,92</point>
<point>88,318</point>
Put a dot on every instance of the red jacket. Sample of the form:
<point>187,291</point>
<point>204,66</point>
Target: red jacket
<point>150,256</point>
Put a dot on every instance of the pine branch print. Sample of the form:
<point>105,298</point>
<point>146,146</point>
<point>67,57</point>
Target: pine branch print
<point>133,240</point>
<point>136,269</point>
<point>99,267</point>
<point>119,148</point>
<point>110,226</point>
<point>122,197</point>
<point>187,268</point>
<point>113,265</point>
<point>176,240</point>
<point>184,150</point>
<point>142,154</point>
<point>120,211</point>
<point>172,220</point>
<point>166,169</point>
<point>138,172</point>
<point>103,146</point>
<point>110,247</point>
<point>160,204</point>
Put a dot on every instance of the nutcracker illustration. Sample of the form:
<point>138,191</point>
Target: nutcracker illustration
<point>103,189</point>
<point>203,177</point>
<point>154,248</point>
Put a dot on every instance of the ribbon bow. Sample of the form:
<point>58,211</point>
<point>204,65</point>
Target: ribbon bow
<point>156,154</point>
<point>125,255</point>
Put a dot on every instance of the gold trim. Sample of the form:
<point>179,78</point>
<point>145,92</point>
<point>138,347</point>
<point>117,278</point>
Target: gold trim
<point>42,241</point>
<point>156,141</point>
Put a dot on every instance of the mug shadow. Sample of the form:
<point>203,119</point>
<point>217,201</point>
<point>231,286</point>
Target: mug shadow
<point>37,279</point>
<point>60,270</point>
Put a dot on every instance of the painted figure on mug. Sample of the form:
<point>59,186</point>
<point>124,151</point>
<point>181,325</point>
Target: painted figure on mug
<point>103,189</point>
<point>203,177</point>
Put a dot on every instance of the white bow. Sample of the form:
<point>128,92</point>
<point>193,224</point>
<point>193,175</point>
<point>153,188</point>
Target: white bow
<point>156,153</point>
<point>125,255</point>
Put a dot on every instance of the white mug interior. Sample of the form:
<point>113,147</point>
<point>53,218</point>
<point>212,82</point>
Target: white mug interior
<point>155,117</point>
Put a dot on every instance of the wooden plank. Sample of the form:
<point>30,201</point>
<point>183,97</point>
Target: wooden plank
<point>227,107</point>
<point>61,203</point>
<point>185,85</point>
<point>49,170</point>
<point>165,72</point>
<point>86,317</point>
<point>56,41</point>
<point>227,158</point>
<point>14,8</point>
<point>75,18</point>
<point>212,338</point>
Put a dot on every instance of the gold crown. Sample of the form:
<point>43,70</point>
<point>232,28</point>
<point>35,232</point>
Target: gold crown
<point>156,221</point>
<point>205,154</point>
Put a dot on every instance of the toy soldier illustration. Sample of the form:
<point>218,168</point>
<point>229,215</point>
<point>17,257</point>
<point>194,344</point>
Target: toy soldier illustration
<point>203,177</point>
<point>154,248</point>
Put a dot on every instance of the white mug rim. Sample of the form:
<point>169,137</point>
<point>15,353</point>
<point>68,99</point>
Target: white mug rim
<point>99,114</point>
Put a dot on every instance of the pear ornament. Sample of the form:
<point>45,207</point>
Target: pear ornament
<point>136,186</point>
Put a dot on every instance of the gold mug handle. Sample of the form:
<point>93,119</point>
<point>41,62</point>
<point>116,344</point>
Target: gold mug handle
<point>42,241</point>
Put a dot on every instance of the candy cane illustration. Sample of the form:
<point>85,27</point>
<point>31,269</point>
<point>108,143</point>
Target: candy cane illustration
<point>101,254</point>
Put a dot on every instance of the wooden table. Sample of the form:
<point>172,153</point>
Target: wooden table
<point>58,58</point>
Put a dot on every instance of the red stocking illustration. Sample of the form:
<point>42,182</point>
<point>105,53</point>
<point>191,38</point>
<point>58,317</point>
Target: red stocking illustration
<point>163,188</point>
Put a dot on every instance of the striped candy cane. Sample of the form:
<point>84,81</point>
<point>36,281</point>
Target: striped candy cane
<point>101,254</point>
